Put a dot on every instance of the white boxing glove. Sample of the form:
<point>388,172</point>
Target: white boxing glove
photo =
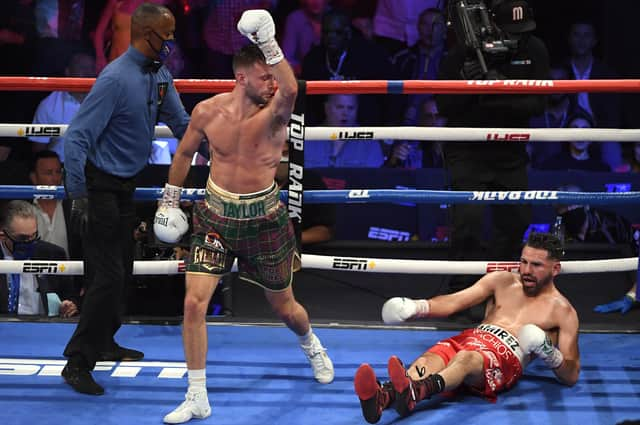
<point>258,26</point>
<point>170,222</point>
<point>534,340</point>
<point>399,309</point>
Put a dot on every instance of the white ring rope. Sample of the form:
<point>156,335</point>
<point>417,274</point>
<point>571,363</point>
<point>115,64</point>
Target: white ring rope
<point>448,134</point>
<point>339,263</point>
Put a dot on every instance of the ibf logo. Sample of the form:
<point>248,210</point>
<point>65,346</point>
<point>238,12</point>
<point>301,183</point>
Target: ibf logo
<point>41,267</point>
<point>351,264</point>
<point>508,137</point>
<point>517,13</point>
<point>40,130</point>
<point>507,266</point>
<point>353,135</point>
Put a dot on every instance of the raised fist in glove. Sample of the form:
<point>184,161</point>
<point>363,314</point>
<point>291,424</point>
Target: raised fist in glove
<point>399,309</point>
<point>534,340</point>
<point>170,222</point>
<point>258,26</point>
<point>622,305</point>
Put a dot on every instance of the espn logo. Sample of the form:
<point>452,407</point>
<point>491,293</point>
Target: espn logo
<point>389,235</point>
<point>350,264</point>
<point>508,137</point>
<point>41,267</point>
<point>507,266</point>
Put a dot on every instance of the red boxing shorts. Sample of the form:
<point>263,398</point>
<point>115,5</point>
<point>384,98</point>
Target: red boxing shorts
<point>503,357</point>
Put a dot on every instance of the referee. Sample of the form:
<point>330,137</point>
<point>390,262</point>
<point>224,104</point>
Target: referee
<point>107,144</point>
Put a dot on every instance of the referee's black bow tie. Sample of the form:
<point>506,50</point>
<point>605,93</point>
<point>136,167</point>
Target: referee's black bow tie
<point>152,66</point>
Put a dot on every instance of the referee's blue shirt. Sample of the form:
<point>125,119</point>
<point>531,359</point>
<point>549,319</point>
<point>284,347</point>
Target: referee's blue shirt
<point>115,124</point>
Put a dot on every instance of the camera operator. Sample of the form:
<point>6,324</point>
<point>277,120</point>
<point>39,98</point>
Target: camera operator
<point>513,53</point>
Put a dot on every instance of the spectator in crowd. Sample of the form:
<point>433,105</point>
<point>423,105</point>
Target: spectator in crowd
<point>17,36</point>
<point>605,108</point>
<point>319,219</point>
<point>60,31</point>
<point>429,116</point>
<point>341,110</point>
<point>394,22</point>
<point>220,35</point>
<point>422,60</point>
<point>26,293</point>
<point>418,154</point>
<point>555,115</point>
<point>113,32</point>
<point>302,30</point>
<point>52,214</point>
<point>17,43</point>
<point>60,107</point>
<point>632,155</point>
<point>577,155</point>
<point>361,12</point>
<point>623,305</point>
<point>584,223</point>
<point>345,55</point>
<point>494,165</point>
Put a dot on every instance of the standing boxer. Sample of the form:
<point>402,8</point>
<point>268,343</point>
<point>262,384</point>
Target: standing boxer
<point>241,216</point>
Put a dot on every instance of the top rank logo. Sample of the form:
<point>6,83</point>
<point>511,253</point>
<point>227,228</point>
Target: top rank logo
<point>512,83</point>
<point>515,195</point>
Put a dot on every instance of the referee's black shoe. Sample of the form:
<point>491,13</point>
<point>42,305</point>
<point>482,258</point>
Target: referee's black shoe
<point>121,354</point>
<point>80,379</point>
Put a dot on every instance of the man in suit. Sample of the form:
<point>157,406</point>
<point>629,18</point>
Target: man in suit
<point>30,294</point>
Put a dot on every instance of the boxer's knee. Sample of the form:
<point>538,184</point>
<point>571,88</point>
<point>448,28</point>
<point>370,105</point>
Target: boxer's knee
<point>472,361</point>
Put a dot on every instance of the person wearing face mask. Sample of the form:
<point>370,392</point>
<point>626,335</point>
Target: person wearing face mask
<point>31,294</point>
<point>577,155</point>
<point>106,145</point>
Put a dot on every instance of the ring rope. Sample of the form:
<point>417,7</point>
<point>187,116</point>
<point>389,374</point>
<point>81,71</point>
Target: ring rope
<point>351,196</point>
<point>448,134</point>
<point>356,86</point>
<point>340,263</point>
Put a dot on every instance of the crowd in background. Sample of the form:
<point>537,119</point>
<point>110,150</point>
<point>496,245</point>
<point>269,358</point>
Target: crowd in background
<point>323,40</point>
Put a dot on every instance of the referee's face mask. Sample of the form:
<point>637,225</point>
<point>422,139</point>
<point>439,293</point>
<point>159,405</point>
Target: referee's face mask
<point>166,46</point>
